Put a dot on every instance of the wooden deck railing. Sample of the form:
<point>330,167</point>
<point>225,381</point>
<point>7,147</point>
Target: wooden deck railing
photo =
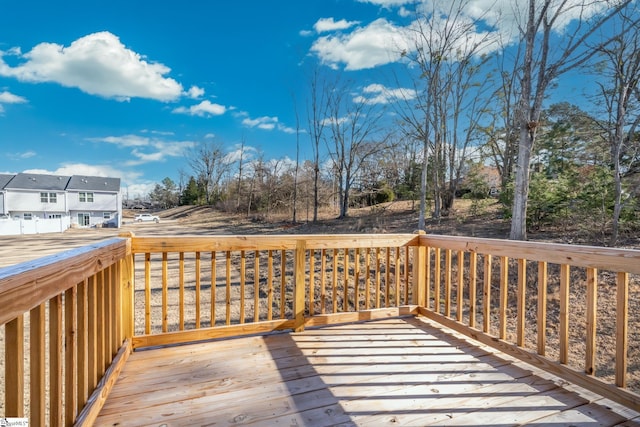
<point>105,300</point>
<point>193,288</point>
<point>563,308</point>
<point>66,309</point>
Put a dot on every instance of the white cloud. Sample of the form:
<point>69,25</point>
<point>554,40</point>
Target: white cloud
<point>9,98</point>
<point>246,152</point>
<point>124,140</point>
<point>145,149</point>
<point>381,41</point>
<point>388,3</point>
<point>205,108</point>
<point>195,92</point>
<point>98,64</point>
<point>329,24</point>
<point>376,44</point>
<point>266,123</point>
<point>379,94</point>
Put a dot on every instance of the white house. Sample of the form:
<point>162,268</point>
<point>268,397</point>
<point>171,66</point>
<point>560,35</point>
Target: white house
<point>38,203</point>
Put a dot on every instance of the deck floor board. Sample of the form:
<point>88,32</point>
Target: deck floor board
<point>392,372</point>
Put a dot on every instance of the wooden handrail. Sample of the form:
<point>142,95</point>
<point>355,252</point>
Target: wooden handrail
<point>503,303</point>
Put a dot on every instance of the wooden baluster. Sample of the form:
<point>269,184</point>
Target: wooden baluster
<point>504,295</point>
<point>473,293</point>
<point>198,284</point>
<point>367,279</point>
<point>92,332</point>
<point>71,355</point>
<point>243,281</point>
<point>37,360</point>
<point>592,312</point>
<point>378,279</point>
<point>270,285</point>
<point>147,293</point>
<point>299,285</point>
<point>335,281</point>
<point>256,286</point>
<point>165,290</point>
<point>356,279</point>
<point>396,266</point>
<point>228,289</point>
<point>447,283</point>
<point>460,294</point>
<point>14,368</point>
<point>323,277</point>
<point>214,283</point>
<point>387,277</point>
<point>345,299</point>
<point>181,291</point>
<point>437,279</point>
<point>56,336</point>
<point>564,313</point>
<point>542,307</point>
<point>312,281</point>
<point>521,300</point>
<point>622,320</point>
<point>406,275</point>
<point>486,299</point>
<point>283,283</point>
<point>83,342</point>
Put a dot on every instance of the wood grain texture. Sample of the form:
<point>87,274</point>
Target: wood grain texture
<point>398,371</point>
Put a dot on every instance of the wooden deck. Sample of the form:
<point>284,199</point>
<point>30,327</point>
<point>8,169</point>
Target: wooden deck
<point>405,371</point>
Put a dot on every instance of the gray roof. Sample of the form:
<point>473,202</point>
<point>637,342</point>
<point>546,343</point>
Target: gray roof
<point>4,180</point>
<point>41,182</point>
<point>32,181</point>
<point>93,183</point>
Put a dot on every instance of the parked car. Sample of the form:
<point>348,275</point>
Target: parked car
<point>4,216</point>
<point>145,217</point>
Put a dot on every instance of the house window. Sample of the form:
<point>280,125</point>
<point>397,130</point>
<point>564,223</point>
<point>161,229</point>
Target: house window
<point>27,216</point>
<point>55,216</point>
<point>86,197</point>
<point>106,215</point>
<point>48,198</point>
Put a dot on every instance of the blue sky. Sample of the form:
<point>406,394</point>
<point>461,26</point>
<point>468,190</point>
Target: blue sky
<point>125,88</point>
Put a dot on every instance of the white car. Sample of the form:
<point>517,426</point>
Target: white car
<point>146,218</point>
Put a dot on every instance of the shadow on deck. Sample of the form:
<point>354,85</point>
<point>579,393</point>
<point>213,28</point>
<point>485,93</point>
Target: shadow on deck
<point>399,371</point>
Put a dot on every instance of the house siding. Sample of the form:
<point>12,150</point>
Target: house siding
<point>22,199</point>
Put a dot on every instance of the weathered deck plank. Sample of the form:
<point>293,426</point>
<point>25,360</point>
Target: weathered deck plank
<point>387,372</point>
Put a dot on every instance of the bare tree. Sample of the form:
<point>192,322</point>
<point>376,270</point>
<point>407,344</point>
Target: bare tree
<point>449,97</point>
<point>355,136</point>
<point>545,59</point>
<point>620,97</point>
<point>317,111</point>
<point>208,163</point>
<point>297,165</point>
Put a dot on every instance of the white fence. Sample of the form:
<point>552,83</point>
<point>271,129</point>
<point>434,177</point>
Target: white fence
<point>34,226</point>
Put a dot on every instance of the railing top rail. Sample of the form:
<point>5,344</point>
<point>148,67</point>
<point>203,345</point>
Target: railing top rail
<point>612,259</point>
<point>28,284</point>
<point>269,242</point>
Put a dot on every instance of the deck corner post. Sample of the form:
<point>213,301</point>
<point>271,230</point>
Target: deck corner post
<point>299,285</point>
<point>419,276</point>
<point>127,287</point>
